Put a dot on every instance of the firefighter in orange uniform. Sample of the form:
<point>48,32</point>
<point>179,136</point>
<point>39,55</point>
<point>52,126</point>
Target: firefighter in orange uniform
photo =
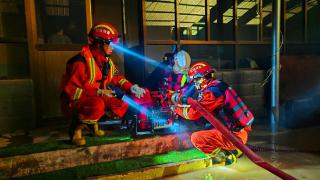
<point>212,96</point>
<point>87,81</point>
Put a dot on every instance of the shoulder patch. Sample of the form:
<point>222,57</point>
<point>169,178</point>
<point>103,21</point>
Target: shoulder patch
<point>216,91</point>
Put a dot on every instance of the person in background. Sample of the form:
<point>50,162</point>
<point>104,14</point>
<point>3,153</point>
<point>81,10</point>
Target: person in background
<point>92,83</point>
<point>223,102</point>
<point>156,79</point>
<point>59,37</point>
<point>170,75</point>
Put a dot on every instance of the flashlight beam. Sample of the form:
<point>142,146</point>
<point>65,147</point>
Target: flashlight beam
<point>134,105</point>
<point>153,62</point>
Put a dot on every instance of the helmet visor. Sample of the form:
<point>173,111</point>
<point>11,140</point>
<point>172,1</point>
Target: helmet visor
<point>196,76</point>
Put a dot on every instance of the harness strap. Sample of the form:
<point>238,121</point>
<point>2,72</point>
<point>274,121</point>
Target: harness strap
<point>240,104</point>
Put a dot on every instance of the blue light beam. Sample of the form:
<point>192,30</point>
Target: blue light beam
<point>136,106</point>
<point>153,62</point>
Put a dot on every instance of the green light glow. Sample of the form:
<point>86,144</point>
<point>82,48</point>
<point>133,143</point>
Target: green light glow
<point>177,156</point>
<point>56,145</point>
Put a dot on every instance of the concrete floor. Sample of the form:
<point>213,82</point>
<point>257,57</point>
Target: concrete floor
<point>299,165</point>
<point>297,153</point>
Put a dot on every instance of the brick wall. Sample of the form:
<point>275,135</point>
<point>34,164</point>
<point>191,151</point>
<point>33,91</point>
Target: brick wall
<point>247,83</point>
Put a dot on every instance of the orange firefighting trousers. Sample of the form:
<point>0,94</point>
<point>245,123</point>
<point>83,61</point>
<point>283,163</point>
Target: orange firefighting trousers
<point>91,109</point>
<point>209,140</point>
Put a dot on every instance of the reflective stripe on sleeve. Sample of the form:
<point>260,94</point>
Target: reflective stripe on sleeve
<point>77,94</point>
<point>122,81</point>
<point>92,70</point>
<point>185,113</point>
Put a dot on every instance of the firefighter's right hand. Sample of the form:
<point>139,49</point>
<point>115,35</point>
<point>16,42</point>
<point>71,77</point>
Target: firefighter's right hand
<point>105,92</point>
<point>178,98</point>
<point>137,91</point>
<point>175,98</point>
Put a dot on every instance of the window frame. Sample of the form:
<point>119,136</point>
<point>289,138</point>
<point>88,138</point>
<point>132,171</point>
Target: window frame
<point>260,41</point>
<point>68,47</point>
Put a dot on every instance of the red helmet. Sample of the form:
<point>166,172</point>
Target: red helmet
<point>199,70</point>
<point>104,33</point>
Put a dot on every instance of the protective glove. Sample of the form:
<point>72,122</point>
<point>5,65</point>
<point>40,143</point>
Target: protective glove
<point>137,91</point>
<point>105,92</point>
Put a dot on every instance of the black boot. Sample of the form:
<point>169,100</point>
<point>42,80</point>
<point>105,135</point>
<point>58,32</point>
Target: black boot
<point>230,158</point>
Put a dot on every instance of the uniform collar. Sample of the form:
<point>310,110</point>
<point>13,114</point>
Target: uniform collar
<point>98,56</point>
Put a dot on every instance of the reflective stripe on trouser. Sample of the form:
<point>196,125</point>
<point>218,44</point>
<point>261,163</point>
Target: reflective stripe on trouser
<point>91,109</point>
<point>209,140</point>
<point>214,153</point>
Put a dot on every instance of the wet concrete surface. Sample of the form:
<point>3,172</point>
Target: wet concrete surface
<point>299,165</point>
<point>296,152</point>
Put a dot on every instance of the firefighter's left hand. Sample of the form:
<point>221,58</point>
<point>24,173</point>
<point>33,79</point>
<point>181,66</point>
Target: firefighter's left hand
<point>105,92</point>
<point>137,91</point>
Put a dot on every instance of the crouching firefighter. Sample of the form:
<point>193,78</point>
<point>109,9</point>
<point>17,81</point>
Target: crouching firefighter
<point>85,86</point>
<point>221,100</point>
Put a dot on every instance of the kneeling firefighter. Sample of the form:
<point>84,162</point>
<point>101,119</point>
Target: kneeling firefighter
<point>86,82</point>
<point>221,100</point>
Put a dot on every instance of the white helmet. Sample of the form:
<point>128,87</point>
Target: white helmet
<point>182,62</point>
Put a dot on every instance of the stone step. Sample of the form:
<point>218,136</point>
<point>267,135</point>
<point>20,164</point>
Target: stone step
<point>30,164</point>
<point>177,161</point>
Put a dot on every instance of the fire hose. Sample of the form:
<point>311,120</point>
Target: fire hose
<point>246,150</point>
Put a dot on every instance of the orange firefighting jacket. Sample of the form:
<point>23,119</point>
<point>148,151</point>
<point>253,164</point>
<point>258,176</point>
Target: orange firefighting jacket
<point>213,98</point>
<point>83,76</point>
<point>207,99</point>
